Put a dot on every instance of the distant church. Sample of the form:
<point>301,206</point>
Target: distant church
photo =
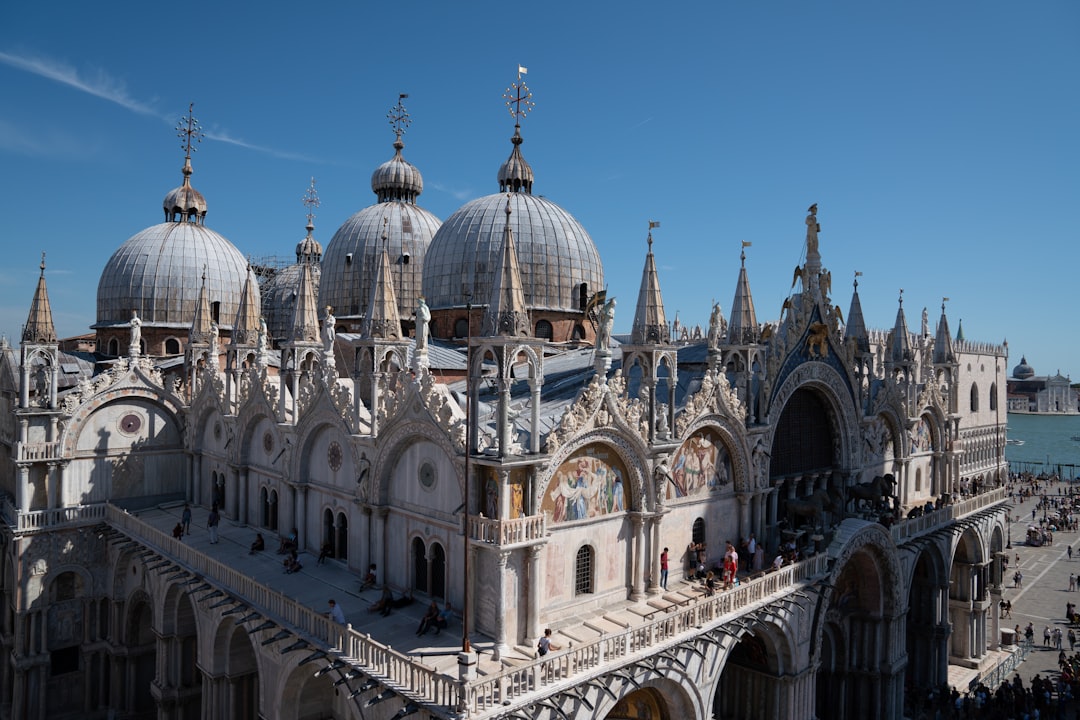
<point>445,400</point>
<point>1042,394</point>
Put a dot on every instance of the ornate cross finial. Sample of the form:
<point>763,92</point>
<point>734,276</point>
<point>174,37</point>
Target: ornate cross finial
<point>189,131</point>
<point>518,97</point>
<point>399,117</point>
<point>311,201</point>
<point>652,224</point>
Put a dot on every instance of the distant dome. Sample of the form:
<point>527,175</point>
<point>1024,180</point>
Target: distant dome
<point>158,273</point>
<point>1023,371</point>
<point>397,179</point>
<point>184,202</point>
<point>279,298</point>
<point>559,262</point>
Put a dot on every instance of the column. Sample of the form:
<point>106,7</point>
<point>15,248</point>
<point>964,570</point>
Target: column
<point>364,535</point>
<point>534,434</point>
<point>376,384</point>
<point>23,491</point>
<point>532,624</point>
<point>301,516</point>
<point>745,527</point>
<point>232,493</point>
<point>378,545</point>
<point>243,493</point>
<point>654,557</point>
<point>196,479</point>
<point>637,542</point>
<point>501,647</point>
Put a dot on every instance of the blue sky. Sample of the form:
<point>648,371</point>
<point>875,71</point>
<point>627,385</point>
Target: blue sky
<point>939,140</point>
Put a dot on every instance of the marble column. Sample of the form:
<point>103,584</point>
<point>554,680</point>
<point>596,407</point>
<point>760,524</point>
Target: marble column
<point>300,514</point>
<point>502,557</point>
<point>637,542</point>
<point>243,496</point>
<point>23,492</point>
<point>532,624</point>
<point>654,557</point>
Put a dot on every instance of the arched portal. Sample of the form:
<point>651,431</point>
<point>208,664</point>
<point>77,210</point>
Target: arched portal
<point>640,704</point>
<point>419,553</point>
<point>180,680</point>
<point>438,571</point>
<point>139,673</point>
<point>341,551</point>
<point>749,687</point>
<point>928,628</point>
<point>233,685</point>
<point>969,600</point>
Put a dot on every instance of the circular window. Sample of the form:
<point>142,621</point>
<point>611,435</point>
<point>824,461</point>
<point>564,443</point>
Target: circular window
<point>130,423</point>
<point>427,476</point>
<point>268,442</point>
<point>333,456</point>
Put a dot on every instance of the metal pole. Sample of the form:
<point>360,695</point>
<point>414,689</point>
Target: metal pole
<point>468,452</point>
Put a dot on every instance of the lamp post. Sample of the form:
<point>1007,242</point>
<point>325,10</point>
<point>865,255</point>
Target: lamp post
<point>468,453</point>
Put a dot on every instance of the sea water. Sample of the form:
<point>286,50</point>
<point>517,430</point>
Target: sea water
<point>1048,444</point>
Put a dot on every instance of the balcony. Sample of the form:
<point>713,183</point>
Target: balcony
<point>37,452</point>
<point>519,531</point>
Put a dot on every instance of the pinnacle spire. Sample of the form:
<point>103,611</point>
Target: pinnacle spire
<point>246,327</point>
<point>943,346</point>
<point>39,324</point>
<point>305,324</point>
<point>856,323</point>
<point>650,325</point>
<point>506,313</point>
<point>200,324</point>
<point>742,326</point>
<point>900,351</point>
<point>383,320</point>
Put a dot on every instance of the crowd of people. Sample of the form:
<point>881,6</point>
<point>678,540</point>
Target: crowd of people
<point>1040,700</point>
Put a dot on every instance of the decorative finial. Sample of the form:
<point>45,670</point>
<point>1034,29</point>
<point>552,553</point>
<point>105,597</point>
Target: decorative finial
<point>311,201</point>
<point>519,98</point>
<point>189,131</point>
<point>742,253</point>
<point>943,301</point>
<point>399,117</point>
<point>508,210</point>
<point>652,224</point>
<point>901,297</point>
<point>858,274</point>
<point>42,263</point>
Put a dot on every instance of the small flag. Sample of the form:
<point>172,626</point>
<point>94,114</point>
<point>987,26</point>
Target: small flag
<point>654,224</point>
<point>746,243</point>
<point>523,70</point>
<point>944,300</point>
<point>858,273</point>
<point>402,96</point>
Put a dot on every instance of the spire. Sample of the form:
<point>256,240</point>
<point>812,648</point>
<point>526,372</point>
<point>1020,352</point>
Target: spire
<point>309,250</point>
<point>856,324</point>
<point>901,352</point>
<point>39,324</point>
<point>742,327</point>
<point>516,175</point>
<point>200,325</point>
<point>246,327</point>
<point>650,325</point>
<point>185,203</point>
<point>960,331</point>
<point>305,324</point>
<point>383,320</point>
<point>943,347</point>
<point>506,313</point>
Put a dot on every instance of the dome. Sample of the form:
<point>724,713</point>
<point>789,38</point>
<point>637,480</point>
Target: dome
<point>158,273</point>
<point>397,179</point>
<point>351,260</point>
<point>279,298</point>
<point>1023,371</point>
<point>555,254</point>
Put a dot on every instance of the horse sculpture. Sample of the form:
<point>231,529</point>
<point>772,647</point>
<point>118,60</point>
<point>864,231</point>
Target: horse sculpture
<point>813,505</point>
<point>875,491</point>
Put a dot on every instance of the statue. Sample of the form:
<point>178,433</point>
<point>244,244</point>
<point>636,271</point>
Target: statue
<point>925,323</point>
<point>42,385</point>
<point>423,317</point>
<point>262,343</point>
<point>215,333</point>
<point>716,329</point>
<point>329,329</point>
<point>812,229</point>
<point>607,322</point>
<point>135,346</point>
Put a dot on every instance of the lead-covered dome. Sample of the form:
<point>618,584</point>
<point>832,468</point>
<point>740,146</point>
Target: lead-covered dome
<point>352,258</point>
<point>158,272</point>
<point>1023,371</point>
<point>560,266</point>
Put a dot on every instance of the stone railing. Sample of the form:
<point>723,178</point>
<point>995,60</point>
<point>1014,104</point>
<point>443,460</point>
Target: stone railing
<point>906,530</point>
<point>30,521</point>
<point>394,669</point>
<point>514,685</point>
<point>507,532</point>
<point>36,452</point>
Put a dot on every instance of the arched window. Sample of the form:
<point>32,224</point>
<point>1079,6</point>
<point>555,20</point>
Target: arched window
<point>438,571</point>
<point>264,503</point>
<point>579,332</point>
<point>328,530</point>
<point>697,532</point>
<point>974,397</point>
<point>273,524</point>
<point>993,396</point>
<point>172,346</point>
<point>342,549</point>
<point>420,569</point>
<point>583,571</point>
<point>461,327</point>
<point>114,347</point>
<point>583,295</point>
<point>544,331</point>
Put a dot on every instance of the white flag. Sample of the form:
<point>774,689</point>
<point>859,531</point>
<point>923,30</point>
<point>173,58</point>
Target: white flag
<point>523,70</point>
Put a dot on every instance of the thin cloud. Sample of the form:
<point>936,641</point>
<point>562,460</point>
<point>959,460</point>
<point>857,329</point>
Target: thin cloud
<point>460,195</point>
<point>14,140</point>
<point>224,137</point>
<point>102,86</point>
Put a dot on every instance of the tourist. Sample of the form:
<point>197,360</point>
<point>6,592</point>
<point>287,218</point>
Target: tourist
<point>384,604</point>
<point>289,542</point>
<point>258,545</point>
<point>428,621</point>
<point>444,618</point>
<point>335,613</point>
<point>1072,582</point>
<point>664,568</point>
<point>185,518</point>
<point>178,531</point>
<point>292,564</point>
<point>327,550</point>
<point>369,579</point>
<point>544,646</point>
<point>212,521</point>
<point>778,562</point>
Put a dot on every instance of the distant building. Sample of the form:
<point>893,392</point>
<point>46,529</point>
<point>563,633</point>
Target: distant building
<point>1048,394</point>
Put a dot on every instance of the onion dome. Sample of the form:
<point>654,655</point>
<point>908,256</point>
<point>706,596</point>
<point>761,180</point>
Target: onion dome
<point>158,271</point>
<point>1023,371</point>
<point>560,266</point>
<point>396,224</point>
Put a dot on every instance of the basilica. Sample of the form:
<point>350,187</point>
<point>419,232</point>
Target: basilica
<point>794,518</point>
